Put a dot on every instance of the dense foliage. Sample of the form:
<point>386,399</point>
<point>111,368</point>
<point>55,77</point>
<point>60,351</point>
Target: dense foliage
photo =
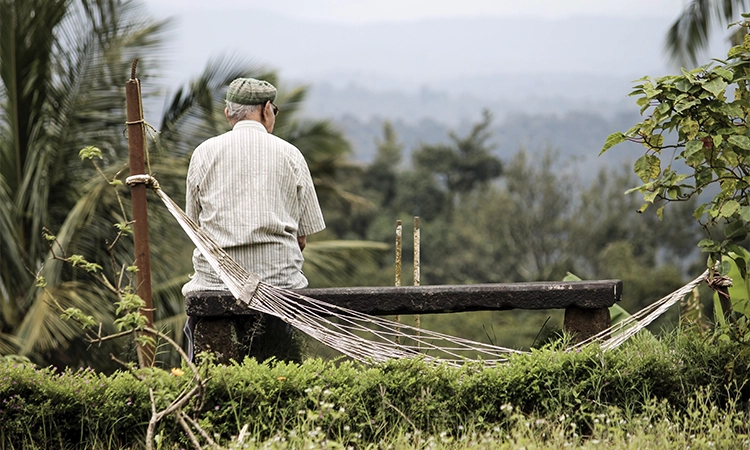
<point>696,142</point>
<point>356,405</point>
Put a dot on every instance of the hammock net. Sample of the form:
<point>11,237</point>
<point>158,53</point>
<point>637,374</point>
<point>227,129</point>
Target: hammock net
<point>372,339</point>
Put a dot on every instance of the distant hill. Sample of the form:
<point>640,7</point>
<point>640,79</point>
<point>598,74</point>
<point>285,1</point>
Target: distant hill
<point>573,123</point>
<point>504,95</point>
<point>577,137</point>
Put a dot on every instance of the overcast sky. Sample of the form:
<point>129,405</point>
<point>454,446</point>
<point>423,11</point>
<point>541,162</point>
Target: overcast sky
<point>366,11</point>
<point>411,44</point>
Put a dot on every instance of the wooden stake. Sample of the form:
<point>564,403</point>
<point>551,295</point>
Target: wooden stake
<point>417,273</point>
<point>137,148</point>
<point>399,243</point>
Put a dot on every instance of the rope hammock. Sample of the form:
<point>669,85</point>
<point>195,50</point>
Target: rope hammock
<point>372,339</point>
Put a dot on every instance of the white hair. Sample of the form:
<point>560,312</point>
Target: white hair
<point>237,111</point>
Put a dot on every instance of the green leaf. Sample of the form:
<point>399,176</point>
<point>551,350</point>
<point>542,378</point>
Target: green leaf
<point>698,213</point>
<point>736,51</point>
<point>689,128</point>
<point>740,141</point>
<point>741,264</point>
<point>730,157</point>
<point>683,105</point>
<point>660,212</point>
<point>692,147</point>
<point>736,231</point>
<point>650,90</point>
<point>90,152</point>
<point>656,142</point>
<point>612,140</point>
<point>736,252</point>
<point>683,85</point>
<point>662,109</point>
<point>709,245</point>
<point>724,73</point>
<point>725,267</point>
<point>716,86</point>
<point>571,277</point>
<point>703,176</point>
<point>745,213</point>
<point>647,167</point>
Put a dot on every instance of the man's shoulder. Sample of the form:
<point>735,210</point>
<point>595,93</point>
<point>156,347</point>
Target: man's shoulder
<point>212,141</point>
<point>284,146</point>
<point>267,140</point>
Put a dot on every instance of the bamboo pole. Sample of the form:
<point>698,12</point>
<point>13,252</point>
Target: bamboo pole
<point>399,243</point>
<point>398,252</point>
<point>137,149</point>
<point>417,270</point>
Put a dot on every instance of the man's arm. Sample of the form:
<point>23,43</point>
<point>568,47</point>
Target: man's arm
<point>302,241</point>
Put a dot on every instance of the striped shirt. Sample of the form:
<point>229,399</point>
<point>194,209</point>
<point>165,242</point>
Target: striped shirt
<point>253,194</point>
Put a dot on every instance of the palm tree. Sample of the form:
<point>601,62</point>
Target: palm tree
<point>61,86</point>
<point>689,34</point>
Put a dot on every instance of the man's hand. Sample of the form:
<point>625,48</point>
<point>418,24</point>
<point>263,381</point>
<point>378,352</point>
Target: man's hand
<point>302,241</point>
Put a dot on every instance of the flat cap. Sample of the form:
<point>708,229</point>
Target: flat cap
<point>249,91</point>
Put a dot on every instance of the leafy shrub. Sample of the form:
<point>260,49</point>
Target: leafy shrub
<point>354,404</point>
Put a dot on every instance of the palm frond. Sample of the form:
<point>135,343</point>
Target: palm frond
<point>689,34</point>
<point>342,263</point>
<point>195,111</point>
<point>9,344</point>
<point>43,329</point>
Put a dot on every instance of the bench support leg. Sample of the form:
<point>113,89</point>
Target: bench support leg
<point>584,323</point>
<point>256,336</point>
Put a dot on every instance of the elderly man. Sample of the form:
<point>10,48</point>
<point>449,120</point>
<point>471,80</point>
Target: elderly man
<point>252,193</point>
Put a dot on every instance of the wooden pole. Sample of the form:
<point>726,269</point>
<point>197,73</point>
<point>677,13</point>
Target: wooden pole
<point>417,269</point>
<point>137,146</point>
<point>398,266</point>
<point>398,253</point>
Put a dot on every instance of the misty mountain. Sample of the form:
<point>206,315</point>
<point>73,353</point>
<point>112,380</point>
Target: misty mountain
<point>576,137</point>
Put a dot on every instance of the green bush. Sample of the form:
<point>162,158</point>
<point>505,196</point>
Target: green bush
<point>354,405</point>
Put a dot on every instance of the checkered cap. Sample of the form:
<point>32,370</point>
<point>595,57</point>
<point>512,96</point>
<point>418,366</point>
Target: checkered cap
<point>249,91</point>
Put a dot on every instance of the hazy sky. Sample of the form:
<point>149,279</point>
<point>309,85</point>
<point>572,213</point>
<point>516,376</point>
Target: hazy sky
<point>367,11</point>
<point>410,44</point>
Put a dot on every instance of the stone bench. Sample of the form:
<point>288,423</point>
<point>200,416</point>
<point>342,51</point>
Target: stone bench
<point>232,331</point>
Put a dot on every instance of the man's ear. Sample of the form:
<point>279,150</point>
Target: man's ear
<point>226,113</point>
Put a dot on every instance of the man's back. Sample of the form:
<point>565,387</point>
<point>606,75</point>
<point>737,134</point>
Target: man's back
<point>253,194</point>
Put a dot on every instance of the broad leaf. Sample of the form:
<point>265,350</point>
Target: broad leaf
<point>647,167</point>
<point>612,140</point>
<point>740,141</point>
<point>692,147</point>
<point>736,231</point>
<point>716,86</point>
